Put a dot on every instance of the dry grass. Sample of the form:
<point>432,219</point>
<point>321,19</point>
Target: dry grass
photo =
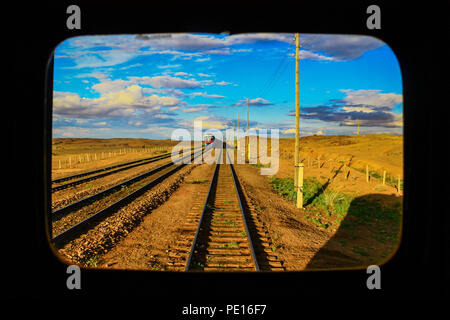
<point>70,155</point>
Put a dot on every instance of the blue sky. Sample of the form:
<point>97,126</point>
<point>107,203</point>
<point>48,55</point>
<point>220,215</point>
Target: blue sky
<point>146,86</point>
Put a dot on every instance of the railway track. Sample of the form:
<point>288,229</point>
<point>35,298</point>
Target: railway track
<point>58,184</point>
<point>77,218</point>
<point>222,237</point>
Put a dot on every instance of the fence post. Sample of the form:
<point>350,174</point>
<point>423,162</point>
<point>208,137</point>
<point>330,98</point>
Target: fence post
<point>384,177</point>
<point>367,173</point>
<point>318,161</point>
<point>398,184</point>
<point>300,186</point>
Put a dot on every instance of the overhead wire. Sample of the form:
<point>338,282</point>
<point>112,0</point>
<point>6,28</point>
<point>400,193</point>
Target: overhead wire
<point>275,79</point>
<point>271,80</point>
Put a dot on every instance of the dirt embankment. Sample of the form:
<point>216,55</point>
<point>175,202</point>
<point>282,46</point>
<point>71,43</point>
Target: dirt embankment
<point>86,249</point>
<point>301,244</point>
<point>65,197</point>
<point>146,247</point>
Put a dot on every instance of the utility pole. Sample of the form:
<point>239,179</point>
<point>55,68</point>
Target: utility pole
<point>234,135</point>
<point>298,175</point>
<point>237,138</point>
<point>246,137</point>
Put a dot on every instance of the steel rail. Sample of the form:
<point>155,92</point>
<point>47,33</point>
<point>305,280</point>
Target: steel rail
<point>57,214</point>
<point>236,186</point>
<point>83,226</point>
<point>101,175</point>
<point>83,174</point>
<point>213,183</point>
<point>205,206</point>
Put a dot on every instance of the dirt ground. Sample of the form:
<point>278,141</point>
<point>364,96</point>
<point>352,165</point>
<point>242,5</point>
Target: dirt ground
<point>379,151</point>
<point>100,153</point>
<point>300,244</point>
<point>147,246</point>
<point>66,196</point>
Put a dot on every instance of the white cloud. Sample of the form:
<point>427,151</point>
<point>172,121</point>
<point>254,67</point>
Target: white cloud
<point>181,74</point>
<point>168,66</point>
<point>303,54</point>
<point>167,82</point>
<point>207,82</point>
<point>84,51</point>
<point>223,83</point>
<point>192,110</point>
<point>116,100</point>
<point>102,123</point>
<point>202,59</point>
<point>206,95</point>
<point>371,97</point>
<point>205,75</point>
<point>340,47</point>
<point>357,109</point>
<point>211,122</point>
<point>254,102</point>
<point>289,131</point>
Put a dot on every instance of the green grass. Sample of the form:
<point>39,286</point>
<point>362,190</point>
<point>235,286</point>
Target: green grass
<point>361,252</point>
<point>319,223</point>
<point>392,181</point>
<point>333,201</point>
<point>286,187</point>
<point>366,211</point>
<point>198,264</point>
<point>330,207</point>
<point>92,262</point>
<point>260,165</point>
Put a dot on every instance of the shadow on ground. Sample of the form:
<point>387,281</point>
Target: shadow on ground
<point>368,234</point>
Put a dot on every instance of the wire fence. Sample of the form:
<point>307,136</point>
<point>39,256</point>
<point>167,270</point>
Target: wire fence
<point>67,161</point>
<point>346,167</point>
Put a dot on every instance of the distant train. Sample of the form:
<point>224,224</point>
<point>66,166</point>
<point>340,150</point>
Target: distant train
<point>208,139</point>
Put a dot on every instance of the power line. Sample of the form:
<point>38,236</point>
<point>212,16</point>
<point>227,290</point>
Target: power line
<point>270,80</point>
<point>279,71</point>
<point>276,74</point>
<point>276,80</point>
<point>309,41</point>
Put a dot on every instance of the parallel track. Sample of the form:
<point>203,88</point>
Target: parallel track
<point>155,176</point>
<point>91,175</point>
